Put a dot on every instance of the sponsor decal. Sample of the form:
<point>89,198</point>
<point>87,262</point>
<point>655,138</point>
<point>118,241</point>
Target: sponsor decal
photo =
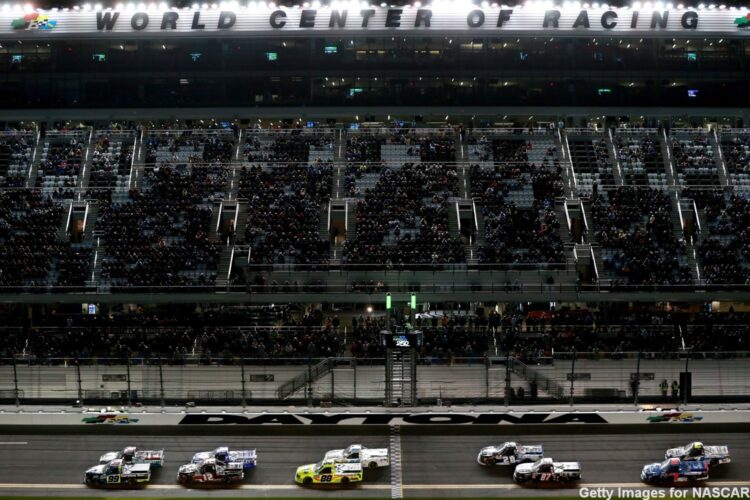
<point>743,22</point>
<point>109,418</point>
<point>34,21</point>
<point>677,416</point>
<point>394,419</point>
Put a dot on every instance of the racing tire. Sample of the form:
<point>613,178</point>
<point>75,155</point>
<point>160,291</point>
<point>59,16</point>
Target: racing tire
<point>185,479</point>
<point>345,480</point>
<point>372,466</point>
<point>307,480</point>
<point>489,461</point>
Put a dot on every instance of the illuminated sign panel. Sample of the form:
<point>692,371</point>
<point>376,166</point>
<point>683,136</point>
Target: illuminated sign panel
<point>460,18</point>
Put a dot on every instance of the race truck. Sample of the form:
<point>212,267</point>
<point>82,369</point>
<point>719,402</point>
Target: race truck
<point>545,470</point>
<point>372,458</point>
<point>510,453</point>
<point>132,455</point>
<point>329,472</point>
<point>224,455</point>
<point>210,470</point>
<point>714,455</point>
<point>118,473</point>
<point>674,470</point>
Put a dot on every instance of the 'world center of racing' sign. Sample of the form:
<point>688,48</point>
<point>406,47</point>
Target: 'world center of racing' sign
<point>529,20</point>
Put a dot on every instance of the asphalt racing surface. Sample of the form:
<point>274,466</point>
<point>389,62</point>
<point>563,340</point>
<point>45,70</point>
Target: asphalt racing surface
<point>430,465</point>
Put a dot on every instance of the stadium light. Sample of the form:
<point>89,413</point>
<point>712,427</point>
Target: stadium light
<point>413,303</point>
<point>388,301</point>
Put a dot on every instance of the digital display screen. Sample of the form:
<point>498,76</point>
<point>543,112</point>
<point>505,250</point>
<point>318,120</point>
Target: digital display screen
<point>99,57</point>
<point>272,56</point>
<point>692,92</point>
<point>332,49</point>
<point>403,340</point>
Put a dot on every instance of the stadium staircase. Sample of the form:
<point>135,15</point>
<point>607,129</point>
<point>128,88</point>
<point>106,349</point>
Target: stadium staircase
<point>213,228</point>
<point>562,217</point>
<point>137,168</point>
<point>36,160</point>
<point>718,158</point>
<point>401,377</point>
<point>565,160</point>
<point>88,161</point>
<point>678,221</point>
<point>99,253</point>
<point>536,375</point>
<point>303,383</point>
<point>241,222</point>
<point>222,269</point>
<point>92,207</point>
<point>340,162</point>
<point>614,159</point>
<point>666,154</point>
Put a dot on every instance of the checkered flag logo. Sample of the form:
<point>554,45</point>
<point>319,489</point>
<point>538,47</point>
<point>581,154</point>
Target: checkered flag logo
<point>34,21</point>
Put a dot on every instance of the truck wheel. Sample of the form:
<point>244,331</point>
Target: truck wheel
<point>307,480</point>
<point>344,480</point>
<point>373,465</point>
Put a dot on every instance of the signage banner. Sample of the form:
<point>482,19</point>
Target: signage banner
<point>441,19</point>
<point>124,418</point>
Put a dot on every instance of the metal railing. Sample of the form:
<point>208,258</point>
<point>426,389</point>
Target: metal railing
<point>560,378</point>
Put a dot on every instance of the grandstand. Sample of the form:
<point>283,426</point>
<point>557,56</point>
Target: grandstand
<point>267,195</point>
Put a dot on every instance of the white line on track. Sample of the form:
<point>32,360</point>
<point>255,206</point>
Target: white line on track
<point>23,486</point>
<point>281,487</point>
<point>397,487</point>
<point>7,443</point>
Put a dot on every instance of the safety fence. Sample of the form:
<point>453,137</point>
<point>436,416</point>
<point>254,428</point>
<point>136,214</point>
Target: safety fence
<point>623,377</point>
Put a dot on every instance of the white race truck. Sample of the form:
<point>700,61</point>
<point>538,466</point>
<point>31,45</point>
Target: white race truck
<point>510,453</point>
<point>370,458</point>
<point>714,455</point>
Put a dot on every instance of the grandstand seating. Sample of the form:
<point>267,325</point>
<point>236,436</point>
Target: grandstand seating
<point>286,182</point>
<point>736,148</point>
<point>635,230</point>
<point>62,157</point>
<point>529,335</point>
<point>16,151</point>
<point>591,163</point>
<point>693,158</point>
<point>517,180</point>
<point>112,159</point>
<point>151,206</point>
<point>402,211</point>
<point>640,157</point>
